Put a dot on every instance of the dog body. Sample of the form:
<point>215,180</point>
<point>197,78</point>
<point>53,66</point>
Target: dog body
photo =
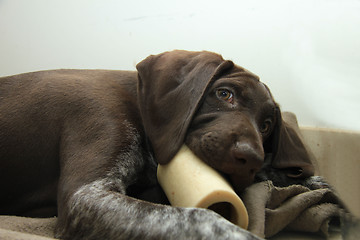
<point>84,144</point>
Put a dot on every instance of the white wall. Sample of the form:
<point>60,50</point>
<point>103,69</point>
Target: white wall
<point>307,51</point>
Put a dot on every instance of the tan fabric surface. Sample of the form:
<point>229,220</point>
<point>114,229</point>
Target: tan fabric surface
<point>22,228</point>
<point>272,209</point>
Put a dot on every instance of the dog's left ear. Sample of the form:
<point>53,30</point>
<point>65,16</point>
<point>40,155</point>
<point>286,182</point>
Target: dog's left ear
<point>288,150</point>
<point>171,87</point>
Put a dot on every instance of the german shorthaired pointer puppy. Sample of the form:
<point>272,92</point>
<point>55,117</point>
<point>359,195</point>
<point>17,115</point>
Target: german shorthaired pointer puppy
<point>84,144</point>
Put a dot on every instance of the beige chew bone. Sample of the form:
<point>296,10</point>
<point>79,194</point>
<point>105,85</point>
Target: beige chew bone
<point>189,182</point>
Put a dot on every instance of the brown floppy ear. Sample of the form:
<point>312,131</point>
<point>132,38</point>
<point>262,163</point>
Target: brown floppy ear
<point>288,150</point>
<point>171,86</point>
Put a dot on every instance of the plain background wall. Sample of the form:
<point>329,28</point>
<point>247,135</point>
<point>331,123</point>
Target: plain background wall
<point>306,51</point>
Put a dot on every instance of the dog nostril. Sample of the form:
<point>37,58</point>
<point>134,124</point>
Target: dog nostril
<point>242,160</point>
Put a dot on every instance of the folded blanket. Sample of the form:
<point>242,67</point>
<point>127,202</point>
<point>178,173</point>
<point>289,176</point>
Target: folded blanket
<point>22,228</point>
<point>272,209</point>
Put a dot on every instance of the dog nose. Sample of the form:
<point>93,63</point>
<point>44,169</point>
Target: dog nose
<point>249,156</point>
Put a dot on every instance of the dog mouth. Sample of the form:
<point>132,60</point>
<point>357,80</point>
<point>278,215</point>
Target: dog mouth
<point>237,178</point>
<point>240,182</point>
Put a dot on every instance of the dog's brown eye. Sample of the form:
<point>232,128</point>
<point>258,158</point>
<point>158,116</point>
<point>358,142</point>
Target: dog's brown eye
<point>266,126</point>
<point>225,95</point>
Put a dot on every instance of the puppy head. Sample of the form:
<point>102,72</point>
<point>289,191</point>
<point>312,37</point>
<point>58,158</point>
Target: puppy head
<point>225,115</point>
<point>229,129</point>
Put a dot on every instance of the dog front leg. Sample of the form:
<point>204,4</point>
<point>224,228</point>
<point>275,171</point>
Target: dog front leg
<point>95,211</point>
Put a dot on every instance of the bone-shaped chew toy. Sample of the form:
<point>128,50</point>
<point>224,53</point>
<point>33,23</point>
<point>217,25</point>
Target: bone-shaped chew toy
<point>189,182</point>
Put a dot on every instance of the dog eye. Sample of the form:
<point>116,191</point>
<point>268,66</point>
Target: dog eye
<point>225,95</point>
<point>266,126</point>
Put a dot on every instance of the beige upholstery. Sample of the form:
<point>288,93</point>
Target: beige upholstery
<point>338,158</point>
